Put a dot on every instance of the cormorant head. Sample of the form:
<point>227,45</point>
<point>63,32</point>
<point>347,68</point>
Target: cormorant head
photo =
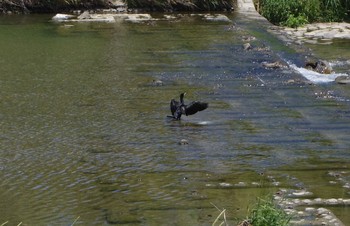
<point>182,97</point>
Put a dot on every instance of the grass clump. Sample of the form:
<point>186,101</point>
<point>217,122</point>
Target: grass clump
<point>266,212</point>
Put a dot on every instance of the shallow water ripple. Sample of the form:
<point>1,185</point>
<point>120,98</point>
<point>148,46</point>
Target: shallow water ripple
<point>84,133</point>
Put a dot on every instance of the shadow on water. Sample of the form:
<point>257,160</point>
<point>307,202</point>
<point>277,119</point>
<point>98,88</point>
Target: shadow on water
<point>84,131</point>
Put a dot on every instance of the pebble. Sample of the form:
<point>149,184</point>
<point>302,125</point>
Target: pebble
<point>247,46</point>
<point>225,184</point>
<point>240,184</point>
<point>307,201</point>
<point>276,183</point>
<point>277,197</point>
<point>302,193</point>
<point>310,209</point>
<point>328,217</point>
<point>289,211</point>
<point>318,201</point>
<point>346,201</point>
<point>331,201</point>
<point>297,201</point>
<point>347,185</point>
<point>255,183</point>
<point>343,80</point>
<point>217,17</point>
<point>322,210</point>
<point>183,142</point>
<point>157,83</point>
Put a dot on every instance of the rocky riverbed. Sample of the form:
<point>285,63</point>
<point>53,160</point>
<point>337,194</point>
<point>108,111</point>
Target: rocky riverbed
<point>112,16</point>
<point>316,33</point>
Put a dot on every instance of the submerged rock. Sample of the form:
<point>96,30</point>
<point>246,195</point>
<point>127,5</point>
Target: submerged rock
<point>301,193</point>
<point>183,142</point>
<point>343,79</point>
<point>241,184</point>
<point>274,65</point>
<point>217,17</point>
<point>223,184</point>
<point>121,217</point>
<point>248,38</point>
<point>247,46</point>
<point>157,82</point>
<point>62,17</point>
<point>84,15</point>
<point>138,17</point>
<point>320,66</point>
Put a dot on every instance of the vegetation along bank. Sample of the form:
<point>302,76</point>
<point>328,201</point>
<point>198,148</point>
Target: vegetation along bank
<point>295,13</point>
<point>291,13</point>
<point>45,6</point>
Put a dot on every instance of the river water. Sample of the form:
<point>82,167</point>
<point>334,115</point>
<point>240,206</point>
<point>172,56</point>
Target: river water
<point>85,137</point>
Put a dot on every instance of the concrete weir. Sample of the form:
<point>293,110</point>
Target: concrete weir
<point>247,8</point>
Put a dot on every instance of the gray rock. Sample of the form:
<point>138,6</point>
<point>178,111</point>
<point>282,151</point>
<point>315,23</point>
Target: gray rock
<point>343,79</point>
<point>217,17</point>
<point>85,15</point>
<point>320,66</point>
<point>62,17</point>
<point>247,46</point>
<point>274,65</point>
<point>183,142</point>
<point>157,83</point>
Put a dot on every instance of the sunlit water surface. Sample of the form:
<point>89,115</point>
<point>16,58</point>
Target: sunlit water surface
<point>85,137</point>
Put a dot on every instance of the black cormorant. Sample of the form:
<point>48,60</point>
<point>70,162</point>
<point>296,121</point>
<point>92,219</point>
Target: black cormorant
<point>179,108</point>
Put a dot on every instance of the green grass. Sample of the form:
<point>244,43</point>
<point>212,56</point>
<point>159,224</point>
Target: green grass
<point>266,212</point>
<point>294,13</point>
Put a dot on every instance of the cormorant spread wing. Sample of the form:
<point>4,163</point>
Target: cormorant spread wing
<point>195,107</point>
<point>179,108</point>
<point>173,106</point>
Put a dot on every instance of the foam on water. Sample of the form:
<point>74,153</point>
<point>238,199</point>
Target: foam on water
<point>315,76</point>
<point>205,123</point>
<point>339,63</point>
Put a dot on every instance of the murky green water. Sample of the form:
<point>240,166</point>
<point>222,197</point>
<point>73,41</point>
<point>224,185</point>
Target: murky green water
<point>84,134</point>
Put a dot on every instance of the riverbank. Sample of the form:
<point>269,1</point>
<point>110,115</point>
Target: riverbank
<point>322,33</point>
<point>316,33</point>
